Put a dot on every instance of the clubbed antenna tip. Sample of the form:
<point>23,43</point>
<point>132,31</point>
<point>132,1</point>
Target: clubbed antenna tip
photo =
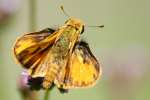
<point>101,26</point>
<point>62,8</point>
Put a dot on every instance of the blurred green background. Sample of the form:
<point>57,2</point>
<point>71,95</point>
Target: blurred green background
<point>122,46</point>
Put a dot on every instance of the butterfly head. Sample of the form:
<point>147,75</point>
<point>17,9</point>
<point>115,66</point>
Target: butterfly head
<point>78,24</point>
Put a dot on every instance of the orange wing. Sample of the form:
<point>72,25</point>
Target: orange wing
<point>31,49</point>
<point>83,69</point>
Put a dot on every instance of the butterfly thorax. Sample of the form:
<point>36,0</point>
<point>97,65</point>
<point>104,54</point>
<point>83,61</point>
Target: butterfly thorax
<point>65,41</point>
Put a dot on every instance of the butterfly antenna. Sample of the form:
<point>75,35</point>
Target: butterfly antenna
<point>62,8</point>
<point>99,26</point>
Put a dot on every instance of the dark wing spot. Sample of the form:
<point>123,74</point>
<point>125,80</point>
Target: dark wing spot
<point>82,45</point>
<point>48,30</point>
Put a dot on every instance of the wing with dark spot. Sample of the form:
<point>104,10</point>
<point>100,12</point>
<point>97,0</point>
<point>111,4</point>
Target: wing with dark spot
<point>83,69</point>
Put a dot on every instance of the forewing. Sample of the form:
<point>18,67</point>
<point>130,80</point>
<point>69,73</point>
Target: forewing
<point>31,49</point>
<point>29,42</point>
<point>83,69</point>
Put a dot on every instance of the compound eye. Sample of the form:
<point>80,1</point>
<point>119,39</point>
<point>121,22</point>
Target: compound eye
<point>82,30</point>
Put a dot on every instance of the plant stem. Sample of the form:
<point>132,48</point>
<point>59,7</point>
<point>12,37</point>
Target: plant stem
<point>32,15</point>
<point>47,94</point>
<point>32,27</point>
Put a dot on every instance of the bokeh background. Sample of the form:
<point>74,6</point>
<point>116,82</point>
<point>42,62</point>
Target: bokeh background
<point>122,47</point>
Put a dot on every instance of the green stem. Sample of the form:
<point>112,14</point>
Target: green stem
<point>32,15</point>
<point>47,94</point>
<point>32,27</point>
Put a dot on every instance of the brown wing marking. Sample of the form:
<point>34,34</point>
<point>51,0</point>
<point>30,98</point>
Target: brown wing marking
<point>83,69</point>
<point>30,50</point>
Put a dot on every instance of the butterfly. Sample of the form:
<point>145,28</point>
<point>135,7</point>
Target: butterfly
<point>58,57</point>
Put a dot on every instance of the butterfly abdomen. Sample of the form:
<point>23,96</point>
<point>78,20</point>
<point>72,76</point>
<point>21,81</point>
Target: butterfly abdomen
<point>50,76</point>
